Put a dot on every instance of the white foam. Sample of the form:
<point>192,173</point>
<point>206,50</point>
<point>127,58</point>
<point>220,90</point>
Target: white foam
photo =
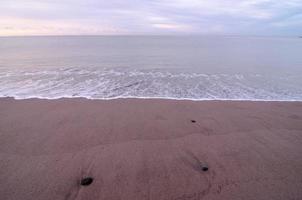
<point>125,83</point>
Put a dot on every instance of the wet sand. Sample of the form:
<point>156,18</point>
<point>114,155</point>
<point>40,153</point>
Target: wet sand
<point>138,149</point>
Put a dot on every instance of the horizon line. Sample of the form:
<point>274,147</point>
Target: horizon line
<point>118,35</point>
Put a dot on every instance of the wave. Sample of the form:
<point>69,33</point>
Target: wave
<point>113,83</point>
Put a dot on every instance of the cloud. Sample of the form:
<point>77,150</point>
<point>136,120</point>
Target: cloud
<point>294,20</point>
<point>52,17</point>
<point>175,27</point>
<point>20,27</point>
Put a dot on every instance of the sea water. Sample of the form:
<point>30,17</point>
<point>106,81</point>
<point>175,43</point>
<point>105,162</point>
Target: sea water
<point>176,67</point>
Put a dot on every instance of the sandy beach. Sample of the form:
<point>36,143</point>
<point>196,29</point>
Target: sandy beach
<point>137,149</point>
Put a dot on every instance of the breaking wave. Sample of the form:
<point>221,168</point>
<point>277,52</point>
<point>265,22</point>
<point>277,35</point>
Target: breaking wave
<point>109,83</point>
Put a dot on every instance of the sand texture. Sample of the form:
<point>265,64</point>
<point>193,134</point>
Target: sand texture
<point>138,149</point>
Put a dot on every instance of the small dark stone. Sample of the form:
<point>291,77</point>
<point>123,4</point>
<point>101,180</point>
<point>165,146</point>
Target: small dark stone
<point>86,181</point>
<point>204,168</point>
<point>193,121</point>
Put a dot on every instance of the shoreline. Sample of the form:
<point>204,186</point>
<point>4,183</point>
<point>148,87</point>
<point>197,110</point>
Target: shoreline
<point>141,149</point>
<point>151,98</point>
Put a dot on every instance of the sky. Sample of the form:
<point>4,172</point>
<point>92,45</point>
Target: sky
<point>154,17</point>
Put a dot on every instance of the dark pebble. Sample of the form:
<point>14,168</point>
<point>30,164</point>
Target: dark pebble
<point>205,168</point>
<point>86,181</point>
<point>193,121</point>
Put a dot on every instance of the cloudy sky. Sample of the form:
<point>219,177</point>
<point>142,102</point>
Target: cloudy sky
<point>112,17</point>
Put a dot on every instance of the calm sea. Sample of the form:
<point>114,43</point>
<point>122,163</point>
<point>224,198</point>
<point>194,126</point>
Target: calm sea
<point>181,67</point>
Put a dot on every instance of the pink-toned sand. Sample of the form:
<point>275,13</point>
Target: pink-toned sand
<point>150,150</point>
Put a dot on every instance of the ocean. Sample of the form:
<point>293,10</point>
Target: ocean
<point>173,67</point>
